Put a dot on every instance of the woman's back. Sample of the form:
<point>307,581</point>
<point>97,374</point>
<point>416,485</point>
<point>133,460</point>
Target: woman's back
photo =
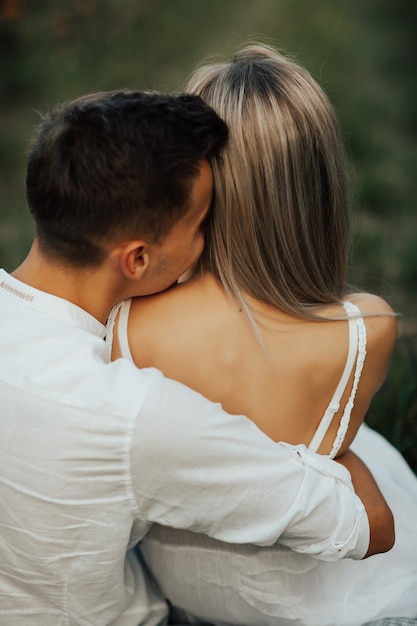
<point>195,334</point>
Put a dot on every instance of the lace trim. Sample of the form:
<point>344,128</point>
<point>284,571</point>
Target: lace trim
<point>110,326</point>
<point>345,420</point>
<point>356,354</point>
<point>122,330</point>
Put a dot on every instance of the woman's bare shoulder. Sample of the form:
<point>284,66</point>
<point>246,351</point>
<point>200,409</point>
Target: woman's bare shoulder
<point>380,318</point>
<point>162,303</point>
<point>163,322</point>
<point>381,331</point>
<point>371,304</point>
<point>180,298</point>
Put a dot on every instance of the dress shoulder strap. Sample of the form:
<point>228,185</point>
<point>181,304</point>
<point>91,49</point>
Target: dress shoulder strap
<point>122,310</point>
<point>356,353</point>
<point>122,329</point>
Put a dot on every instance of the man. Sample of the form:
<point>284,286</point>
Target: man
<point>93,452</point>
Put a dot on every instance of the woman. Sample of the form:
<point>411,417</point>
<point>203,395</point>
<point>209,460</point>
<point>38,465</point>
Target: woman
<point>265,327</point>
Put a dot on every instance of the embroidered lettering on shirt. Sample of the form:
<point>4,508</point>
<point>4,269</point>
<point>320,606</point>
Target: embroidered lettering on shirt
<point>16,292</point>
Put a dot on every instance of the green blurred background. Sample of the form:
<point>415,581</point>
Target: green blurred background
<point>364,54</point>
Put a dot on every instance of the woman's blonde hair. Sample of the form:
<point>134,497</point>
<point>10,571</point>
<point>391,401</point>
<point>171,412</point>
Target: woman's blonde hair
<point>279,230</point>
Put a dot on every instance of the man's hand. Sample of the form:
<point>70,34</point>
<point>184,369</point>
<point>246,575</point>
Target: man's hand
<point>381,520</point>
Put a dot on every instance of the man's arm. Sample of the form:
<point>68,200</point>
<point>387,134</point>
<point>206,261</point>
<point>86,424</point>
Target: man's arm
<point>198,468</point>
<point>381,520</point>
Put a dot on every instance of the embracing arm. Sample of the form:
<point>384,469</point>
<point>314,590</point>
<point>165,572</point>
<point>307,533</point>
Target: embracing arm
<point>196,467</point>
<point>381,520</point>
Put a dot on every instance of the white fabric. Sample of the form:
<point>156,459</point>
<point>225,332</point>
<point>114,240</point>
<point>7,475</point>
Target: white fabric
<point>122,310</point>
<point>356,353</point>
<point>92,452</point>
<point>226,584</point>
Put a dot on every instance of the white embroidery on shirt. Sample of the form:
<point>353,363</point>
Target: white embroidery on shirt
<point>16,292</point>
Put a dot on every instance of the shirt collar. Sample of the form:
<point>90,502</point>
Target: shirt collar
<point>38,300</point>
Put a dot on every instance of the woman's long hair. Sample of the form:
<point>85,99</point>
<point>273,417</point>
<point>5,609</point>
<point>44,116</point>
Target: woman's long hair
<point>279,230</point>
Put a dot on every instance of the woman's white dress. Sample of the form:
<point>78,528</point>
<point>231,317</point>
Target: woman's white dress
<point>224,584</point>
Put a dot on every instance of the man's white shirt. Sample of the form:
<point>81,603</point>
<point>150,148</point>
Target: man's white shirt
<point>92,452</point>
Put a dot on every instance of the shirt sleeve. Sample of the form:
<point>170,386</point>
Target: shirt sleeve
<point>196,467</point>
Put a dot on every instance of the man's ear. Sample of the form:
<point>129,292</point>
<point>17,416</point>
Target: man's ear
<point>134,259</point>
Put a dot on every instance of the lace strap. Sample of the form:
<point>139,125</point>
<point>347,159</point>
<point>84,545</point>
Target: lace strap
<point>122,309</point>
<point>110,327</point>
<point>334,404</point>
<point>122,330</point>
<point>344,422</point>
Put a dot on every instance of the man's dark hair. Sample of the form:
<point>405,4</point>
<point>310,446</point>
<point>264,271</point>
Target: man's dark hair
<point>117,163</point>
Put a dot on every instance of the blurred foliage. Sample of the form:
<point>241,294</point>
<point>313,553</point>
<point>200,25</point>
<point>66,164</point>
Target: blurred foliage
<point>394,409</point>
<point>364,54</point>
